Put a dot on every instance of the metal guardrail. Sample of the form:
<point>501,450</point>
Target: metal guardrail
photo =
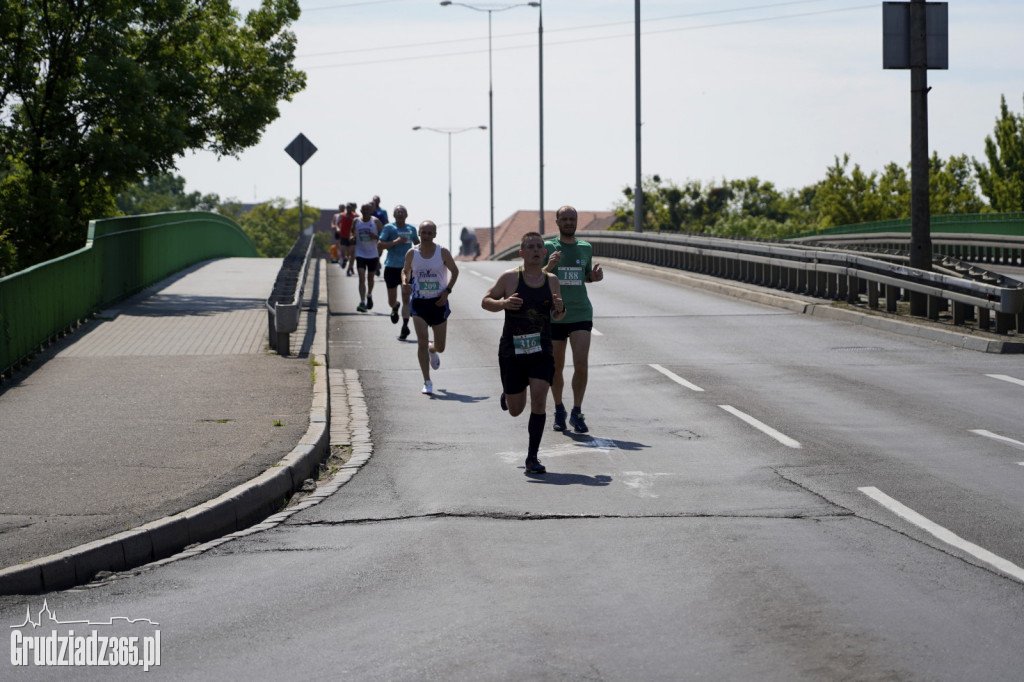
<point>285,300</point>
<point>831,273</point>
<point>992,249</point>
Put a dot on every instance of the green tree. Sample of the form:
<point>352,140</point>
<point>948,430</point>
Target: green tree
<point>272,226</point>
<point>953,187</point>
<point>162,193</point>
<point>95,96</point>
<point>1002,179</point>
<point>845,199</point>
<point>893,192</point>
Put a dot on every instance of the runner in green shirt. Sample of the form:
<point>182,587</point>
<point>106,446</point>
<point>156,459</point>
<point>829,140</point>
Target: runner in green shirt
<point>573,260</point>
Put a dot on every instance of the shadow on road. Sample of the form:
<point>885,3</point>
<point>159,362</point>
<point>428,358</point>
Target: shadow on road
<point>442,394</point>
<point>553,478</point>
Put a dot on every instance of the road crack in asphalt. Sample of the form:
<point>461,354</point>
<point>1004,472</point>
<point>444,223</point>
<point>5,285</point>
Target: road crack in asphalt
<point>535,516</point>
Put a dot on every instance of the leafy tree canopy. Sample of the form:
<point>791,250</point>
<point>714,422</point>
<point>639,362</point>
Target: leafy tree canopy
<point>272,226</point>
<point>96,95</point>
<point>162,193</point>
<point>1002,178</point>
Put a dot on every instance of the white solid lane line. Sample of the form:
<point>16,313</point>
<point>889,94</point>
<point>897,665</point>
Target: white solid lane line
<point>947,536</point>
<point>996,436</point>
<point>761,426</point>
<point>678,379</point>
<point>1003,377</point>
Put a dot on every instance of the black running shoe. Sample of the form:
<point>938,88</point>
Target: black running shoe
<point>576,421</point>
<point>533,466</point>
<point>369,302</point>
<point>404,334</point>
<point>559,424</point>
<point>394,314</point>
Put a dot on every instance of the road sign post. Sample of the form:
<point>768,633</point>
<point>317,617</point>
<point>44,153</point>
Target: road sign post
<point>916,37</point>
<point>300,149</point>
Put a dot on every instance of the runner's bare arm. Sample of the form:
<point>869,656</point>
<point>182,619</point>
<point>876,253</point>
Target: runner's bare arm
<point>558,307</point>
<point>496,297</point>
<point>407,273</point>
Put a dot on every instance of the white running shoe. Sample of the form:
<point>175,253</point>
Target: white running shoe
<point>435,360</point>
<point>428,388</point>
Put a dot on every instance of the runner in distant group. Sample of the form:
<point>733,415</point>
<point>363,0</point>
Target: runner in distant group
<point>397,237</point>
<point>336,256</point>
<point>367,234</point>
<point>382,216</point>
<point>345,222</point>
<point>428,277</point>
<point>573,259</point>
<point>531,299</point>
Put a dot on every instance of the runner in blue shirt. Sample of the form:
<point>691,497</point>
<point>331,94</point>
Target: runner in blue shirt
<point>398,237</point>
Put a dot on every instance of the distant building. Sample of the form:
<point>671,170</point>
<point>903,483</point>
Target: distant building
<point>476,243</point>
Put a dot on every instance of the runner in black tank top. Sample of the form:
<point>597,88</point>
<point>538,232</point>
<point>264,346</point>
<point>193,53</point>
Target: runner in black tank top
<point>528,329</point>
<point>531,298</point>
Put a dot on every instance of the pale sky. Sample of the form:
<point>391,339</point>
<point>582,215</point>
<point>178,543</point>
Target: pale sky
<point>730,89</point>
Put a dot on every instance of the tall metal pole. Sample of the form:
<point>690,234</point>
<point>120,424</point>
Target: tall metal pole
<point>540,97</point>
<point>920,209</point>
<point>638,207</point>
<point>490,118</point>
<point>300,200</point>
<point>450,191</point>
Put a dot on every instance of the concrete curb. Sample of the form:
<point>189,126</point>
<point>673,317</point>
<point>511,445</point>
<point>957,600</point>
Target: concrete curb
<point>809,306</point>
<point>236,509</point>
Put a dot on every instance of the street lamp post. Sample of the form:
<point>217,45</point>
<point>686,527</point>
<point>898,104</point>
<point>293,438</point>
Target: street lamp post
<point>449,132</point>
<point>490,86</point>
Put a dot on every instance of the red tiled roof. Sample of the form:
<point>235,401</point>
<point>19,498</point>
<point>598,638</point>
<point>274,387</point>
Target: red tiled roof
<point>512,229</point>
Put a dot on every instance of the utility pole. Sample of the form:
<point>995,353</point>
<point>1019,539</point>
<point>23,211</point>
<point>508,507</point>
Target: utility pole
<point>916,37</point>
<point>920,202</point>
<point>638,197</point>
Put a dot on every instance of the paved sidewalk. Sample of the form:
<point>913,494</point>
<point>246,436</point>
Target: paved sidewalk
<point>167,401</point>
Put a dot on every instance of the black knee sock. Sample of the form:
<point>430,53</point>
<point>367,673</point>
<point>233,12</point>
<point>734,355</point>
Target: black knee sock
<point>536,429</point>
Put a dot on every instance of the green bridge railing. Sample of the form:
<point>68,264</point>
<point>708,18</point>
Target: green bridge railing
<point>121,257</point>
<point>1006,224</point>
<point>989,238</point>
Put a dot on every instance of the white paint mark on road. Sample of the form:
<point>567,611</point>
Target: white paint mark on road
<point>571,447</point>
<point>761,426</point>
<point>947,536</point>
<point>678,379</point>
<point>996,436</point>
<point>641,482</point>
<point>1003,377</point>
<point>596,333</point>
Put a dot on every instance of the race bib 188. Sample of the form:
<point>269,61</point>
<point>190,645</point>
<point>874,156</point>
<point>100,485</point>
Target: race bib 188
<point>570,276</point>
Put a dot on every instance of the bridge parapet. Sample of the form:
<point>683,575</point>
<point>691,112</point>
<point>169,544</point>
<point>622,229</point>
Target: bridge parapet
<point>832,273</point>
<point>121,257</point>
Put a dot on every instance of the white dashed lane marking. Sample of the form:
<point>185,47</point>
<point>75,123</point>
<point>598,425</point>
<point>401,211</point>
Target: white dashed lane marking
<point>947,536</point>
<point>1004,377</point>
<point>1002,439</point>
<point>678,379</point>
<point>761,426</point>
<point>996,436</point>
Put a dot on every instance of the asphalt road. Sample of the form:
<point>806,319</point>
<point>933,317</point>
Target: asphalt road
<point>735,513</point>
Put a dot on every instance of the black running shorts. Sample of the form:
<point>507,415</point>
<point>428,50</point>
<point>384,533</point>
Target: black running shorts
<point>560,332</point>
<point>517,370</point>
<point>392,277</point>
<point>428,310</point>
<point>367,263</point>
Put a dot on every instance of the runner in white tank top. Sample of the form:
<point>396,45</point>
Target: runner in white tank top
<point>428,277</point>
<point>366,232</point>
